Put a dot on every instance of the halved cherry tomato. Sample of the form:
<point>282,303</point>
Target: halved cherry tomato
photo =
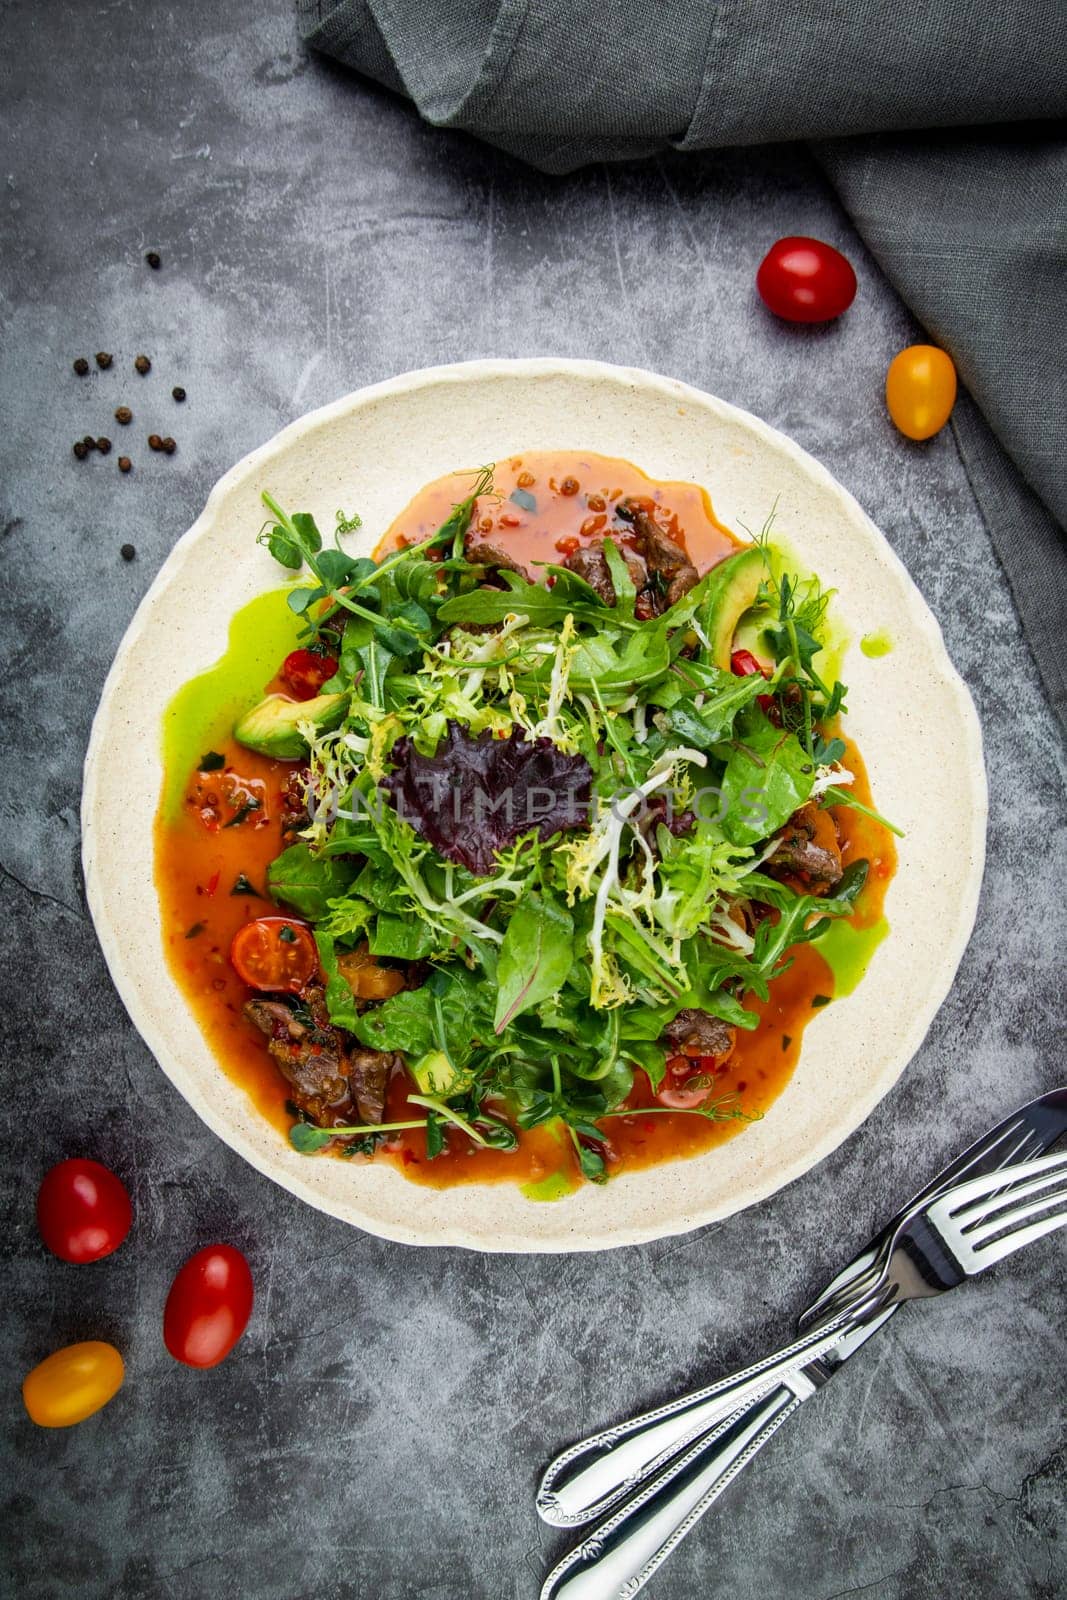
<point>685,1084</point>
<point>274,953</point>
<point>83,1210</point>
<point>743,664</point>
<point>920,390</point>
<point>804,280</point>
<point>72,1383</point>
<point>305,673</point>
<point>208,1307</point>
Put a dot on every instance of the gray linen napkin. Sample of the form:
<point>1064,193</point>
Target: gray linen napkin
<point>970,225</point>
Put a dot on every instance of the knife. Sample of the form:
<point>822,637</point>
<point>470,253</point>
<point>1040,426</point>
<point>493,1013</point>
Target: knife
<point>619,1557</point>
<point>592,1476</point>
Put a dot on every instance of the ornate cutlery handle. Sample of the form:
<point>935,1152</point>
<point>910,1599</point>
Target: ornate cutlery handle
<point>593,1475</point>
<point>620,1556</point>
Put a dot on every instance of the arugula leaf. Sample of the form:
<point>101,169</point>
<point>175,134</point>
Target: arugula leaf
<point>376,661</point>
<point>543,607</point>
<point>714,720</point>
<point>644,657</point>
<point>793,927</point>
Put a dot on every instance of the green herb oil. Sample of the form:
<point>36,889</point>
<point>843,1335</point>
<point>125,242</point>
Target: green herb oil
<point>556,1186</point>
<point>205,709</point>
<point>876,644</point>
<point>847,951</point>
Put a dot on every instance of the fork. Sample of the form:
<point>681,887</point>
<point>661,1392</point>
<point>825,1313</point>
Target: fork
<point>959,1235</point>
<point>590,1477</point>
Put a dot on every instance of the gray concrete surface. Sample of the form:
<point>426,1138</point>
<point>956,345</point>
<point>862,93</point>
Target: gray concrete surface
<point>380,1429</point>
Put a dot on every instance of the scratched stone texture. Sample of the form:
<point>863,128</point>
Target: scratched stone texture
<point>379,1431</point>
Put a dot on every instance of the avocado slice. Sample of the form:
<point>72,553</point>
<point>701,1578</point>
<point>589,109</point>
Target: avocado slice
<point>436,1074</point>
<point>271,727</point>
<point>732,589</point>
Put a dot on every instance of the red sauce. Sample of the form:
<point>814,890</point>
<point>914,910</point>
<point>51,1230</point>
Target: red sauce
<point>199,861</point>
<point>564,515</point>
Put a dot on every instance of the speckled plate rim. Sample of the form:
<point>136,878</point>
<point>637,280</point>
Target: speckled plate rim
<point>909,976</point>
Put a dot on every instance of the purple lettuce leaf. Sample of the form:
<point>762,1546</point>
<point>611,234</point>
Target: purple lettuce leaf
<point>474,796</point>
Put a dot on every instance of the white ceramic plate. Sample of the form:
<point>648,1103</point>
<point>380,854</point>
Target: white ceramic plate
<point>909,712</point>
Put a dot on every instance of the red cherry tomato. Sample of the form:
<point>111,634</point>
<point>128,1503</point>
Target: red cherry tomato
<point>804,280</point>
<point>274,953</point>
<point>305,673</point>
<point>83,1211</point>
<point>208,1307</point>
<point>685,1084</point>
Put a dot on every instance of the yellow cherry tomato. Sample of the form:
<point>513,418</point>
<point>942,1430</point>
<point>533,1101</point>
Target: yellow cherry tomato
<point>920,390</point>
<point>71,1384</point>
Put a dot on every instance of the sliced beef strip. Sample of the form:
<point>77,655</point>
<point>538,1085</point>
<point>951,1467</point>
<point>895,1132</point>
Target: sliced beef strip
<point>488,554</point>
<point>699,1032</point>
<point>590,563</point>
<point>808,846</point>
<point>665,558</point>
<point>329,1084</point>
<point>681,583</point>
<point>369,1080</point>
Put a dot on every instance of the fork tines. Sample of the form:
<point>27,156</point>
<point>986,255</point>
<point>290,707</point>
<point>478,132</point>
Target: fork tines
<point>986,1218</point>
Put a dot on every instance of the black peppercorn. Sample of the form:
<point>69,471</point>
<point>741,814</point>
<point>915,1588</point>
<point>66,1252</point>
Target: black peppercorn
<point>123,414</point>
<point>89,442</point>
<point>103,445</point>
<point>103,359</point>
<point>168,446</point>
<point>81,449</point>
<point>81,366</point>
<point>155,442</point>
<point>125,463</point>
<point>154,260</point>
<point>128,552</point>
<point>178,392</point>
<point>142,364</point>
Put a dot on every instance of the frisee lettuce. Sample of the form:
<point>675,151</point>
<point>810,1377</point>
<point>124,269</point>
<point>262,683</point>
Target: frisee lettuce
<point>550,978</point>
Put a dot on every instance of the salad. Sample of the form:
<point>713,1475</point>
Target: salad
<point>551,850</point>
